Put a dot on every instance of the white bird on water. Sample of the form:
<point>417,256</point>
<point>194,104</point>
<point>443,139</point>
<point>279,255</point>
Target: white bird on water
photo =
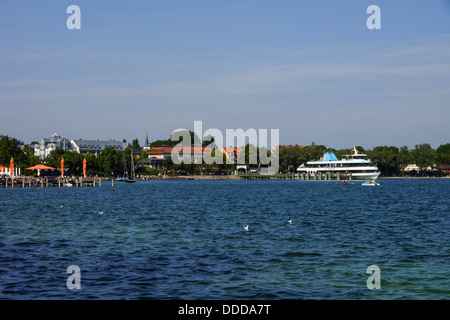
<point>246,228</point>
<point>290,221</point>
<point>100,212</point>
<point>61,206</point>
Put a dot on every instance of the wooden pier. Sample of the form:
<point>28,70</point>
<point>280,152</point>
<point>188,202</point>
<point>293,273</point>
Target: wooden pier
<point>46,182</point>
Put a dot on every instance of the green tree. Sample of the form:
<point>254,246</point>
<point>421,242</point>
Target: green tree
<point>318,150</point>
<point>73,161</point>
<point>443,154</point>
<point>291,157</point>
<point>168,163</point>
<point>340,153</point>
<point>135,144</point>
<point>161,143</point>
<point>404,158</point>
<point>92,166</point>
<point>53,159</point>
<point>28,159</point>
<point>208,141</point>
<point>222,167</point>
<point>249,155</point>
<point>11,148</point>
<point>193,140</point>
<point>360,149</point>
<point>110,161</point>
<point>424,155</point>
<point>31,159</point>
<point>385,158</point>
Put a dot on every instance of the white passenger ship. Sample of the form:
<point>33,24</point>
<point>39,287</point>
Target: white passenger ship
<point>353,166</point>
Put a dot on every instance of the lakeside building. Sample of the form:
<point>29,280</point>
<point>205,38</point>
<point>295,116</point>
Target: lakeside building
<point>157,155</point>
<point>55,141</point>
<point>414,167</point>
<point>96,146</point>
<point>195,153</point>
<point>153,163</point>
<point>47,145</point>
<point>160,152</point>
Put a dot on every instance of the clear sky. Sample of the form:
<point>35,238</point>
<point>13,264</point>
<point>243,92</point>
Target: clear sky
<point>311,69</point>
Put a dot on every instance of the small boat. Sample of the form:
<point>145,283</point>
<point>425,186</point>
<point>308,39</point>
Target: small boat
<point>370,183</point>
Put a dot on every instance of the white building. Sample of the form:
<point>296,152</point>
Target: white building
<point>96,146</point>
<point>414,167</point>
<point>47,145</point>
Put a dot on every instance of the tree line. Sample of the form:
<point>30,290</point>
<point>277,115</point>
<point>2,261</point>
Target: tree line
<point>390,160</point>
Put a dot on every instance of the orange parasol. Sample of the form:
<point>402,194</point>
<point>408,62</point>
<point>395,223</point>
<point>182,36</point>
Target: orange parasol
<point>40,167</point>
<point>62,166</point>
<point>84,166</point>
<point>11,170</point>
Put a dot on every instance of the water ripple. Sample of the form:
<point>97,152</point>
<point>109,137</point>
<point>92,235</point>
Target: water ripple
<point>185,240</point>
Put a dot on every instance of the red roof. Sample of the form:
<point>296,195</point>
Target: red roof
<point>160,150</point>
<point>192,150</point>
<point>167,150</point>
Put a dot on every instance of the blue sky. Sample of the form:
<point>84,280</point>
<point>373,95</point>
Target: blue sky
<point>311,69</point>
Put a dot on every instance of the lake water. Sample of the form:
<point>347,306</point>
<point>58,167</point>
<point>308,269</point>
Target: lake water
<point>186,240</point>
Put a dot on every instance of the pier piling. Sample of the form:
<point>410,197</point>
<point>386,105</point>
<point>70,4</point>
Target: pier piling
<point>41,182</point>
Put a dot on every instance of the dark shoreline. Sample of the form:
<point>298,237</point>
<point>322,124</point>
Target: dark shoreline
<point>447,177</point>
<point>235,177</point>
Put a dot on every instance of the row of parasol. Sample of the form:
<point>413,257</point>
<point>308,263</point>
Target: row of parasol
<point>44,167</point>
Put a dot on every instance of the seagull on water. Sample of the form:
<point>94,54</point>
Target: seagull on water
<point>290,221</point>
<point>246,228</point>
<point>100,212</point>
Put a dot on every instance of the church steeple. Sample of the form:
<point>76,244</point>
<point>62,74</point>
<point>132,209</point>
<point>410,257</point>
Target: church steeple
<point>146,140</point>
